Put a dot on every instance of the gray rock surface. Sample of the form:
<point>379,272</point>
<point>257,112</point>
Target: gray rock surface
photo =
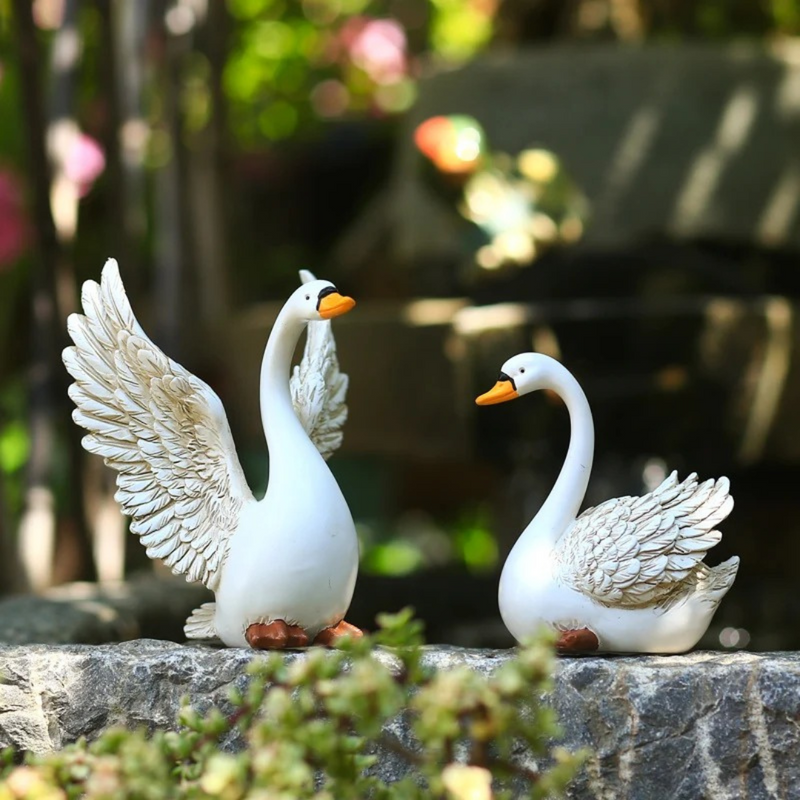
<point>85,613</point>
<point>704,725</point>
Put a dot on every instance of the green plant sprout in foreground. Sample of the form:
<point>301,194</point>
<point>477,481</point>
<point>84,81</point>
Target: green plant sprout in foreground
<point>315,724</point>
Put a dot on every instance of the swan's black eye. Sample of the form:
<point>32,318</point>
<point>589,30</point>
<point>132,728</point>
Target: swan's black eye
<point>522,371</point>
<point>308,297</point>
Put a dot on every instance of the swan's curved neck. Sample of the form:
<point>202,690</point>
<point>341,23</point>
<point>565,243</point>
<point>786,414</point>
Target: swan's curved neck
<point>563,502</point>
<point>277,412</point>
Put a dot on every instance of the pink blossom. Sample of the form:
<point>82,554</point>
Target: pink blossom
<point>13,222</point>
<point>48,14</point>
<point>378,46</point>
<point>84,162</point>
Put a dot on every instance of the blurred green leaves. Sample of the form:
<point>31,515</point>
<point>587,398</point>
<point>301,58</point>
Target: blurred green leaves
<point>314,724</point>
<point>460,28</point>
<point>293,65</point>
<point>14,446</point>
<point>477,547</point>
<point>14,442</point>
<point>786,16</point>
<point>393,558</point>
<point>417,542</point>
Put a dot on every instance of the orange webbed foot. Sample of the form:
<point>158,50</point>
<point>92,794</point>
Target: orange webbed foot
<point>276,635</point>
<point>580,640</point>
<point>328,637</point>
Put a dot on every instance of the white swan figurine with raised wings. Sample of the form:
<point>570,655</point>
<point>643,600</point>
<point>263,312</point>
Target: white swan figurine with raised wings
<point>627,576</point>
<point>283,568</point>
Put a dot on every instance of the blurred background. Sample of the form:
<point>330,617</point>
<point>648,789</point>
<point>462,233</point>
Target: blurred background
<point>613,182</point>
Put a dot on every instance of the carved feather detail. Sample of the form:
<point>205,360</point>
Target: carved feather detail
<point>319,388</point>
<point>164,431</point>
<point>631,552</point>
<point>200,624</point>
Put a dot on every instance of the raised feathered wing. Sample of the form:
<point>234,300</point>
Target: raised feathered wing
<point>319,388</point>
<point>162,429</point>
<point>635,551</point>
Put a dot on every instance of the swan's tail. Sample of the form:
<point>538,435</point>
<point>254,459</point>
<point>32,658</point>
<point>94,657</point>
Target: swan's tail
<point>713,583</point>
<point>200,624</point>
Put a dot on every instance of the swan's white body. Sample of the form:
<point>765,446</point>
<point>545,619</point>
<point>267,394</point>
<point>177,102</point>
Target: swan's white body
<point>533,594</point>
<point>293,555</point>
<point>630,570</point>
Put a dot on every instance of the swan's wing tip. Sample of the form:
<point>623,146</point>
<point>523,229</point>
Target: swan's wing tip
<point>111,267</point>
<point>306,276</point>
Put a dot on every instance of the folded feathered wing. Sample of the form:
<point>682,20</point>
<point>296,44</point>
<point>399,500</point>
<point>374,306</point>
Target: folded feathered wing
<point>319,387</point>
<point>636,551</point>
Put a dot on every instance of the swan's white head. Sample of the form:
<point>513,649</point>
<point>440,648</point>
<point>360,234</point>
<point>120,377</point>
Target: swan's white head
<point>318,300</point>
<point>521,374</point>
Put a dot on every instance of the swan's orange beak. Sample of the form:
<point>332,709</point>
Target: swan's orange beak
<point>504,389</point>
<point>334,305</point>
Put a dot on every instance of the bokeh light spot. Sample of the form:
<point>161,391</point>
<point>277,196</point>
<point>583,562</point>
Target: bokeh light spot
<point>278,121</point>
<point>330,99</point>
<point>396,97</point>
<point>735,638</point>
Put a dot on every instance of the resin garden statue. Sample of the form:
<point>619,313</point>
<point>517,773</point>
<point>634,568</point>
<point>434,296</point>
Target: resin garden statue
<point>282,568</point>
<point>626,576</point>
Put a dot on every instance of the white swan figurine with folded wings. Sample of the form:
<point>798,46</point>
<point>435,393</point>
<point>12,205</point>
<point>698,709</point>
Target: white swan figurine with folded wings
<point>627,576</point>
<point>282,568</point>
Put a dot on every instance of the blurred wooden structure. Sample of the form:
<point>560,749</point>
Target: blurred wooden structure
<point>687,141</point>
<point>720,374</point>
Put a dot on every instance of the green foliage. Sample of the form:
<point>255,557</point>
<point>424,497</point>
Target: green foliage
<point>786,16</point>
<point>394,557</point>
<point>460,29</point>
<point>14,446</point>
<point>14,443</point>
<point>312,726</point>
<point>468,541</point>
<point>293,64</point>
<point>475,542</point>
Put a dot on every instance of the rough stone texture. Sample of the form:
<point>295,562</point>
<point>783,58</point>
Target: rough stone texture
<point>702,725</point>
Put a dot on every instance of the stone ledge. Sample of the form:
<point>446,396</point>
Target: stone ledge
<point>701,725</point>
<point>88,613</point>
